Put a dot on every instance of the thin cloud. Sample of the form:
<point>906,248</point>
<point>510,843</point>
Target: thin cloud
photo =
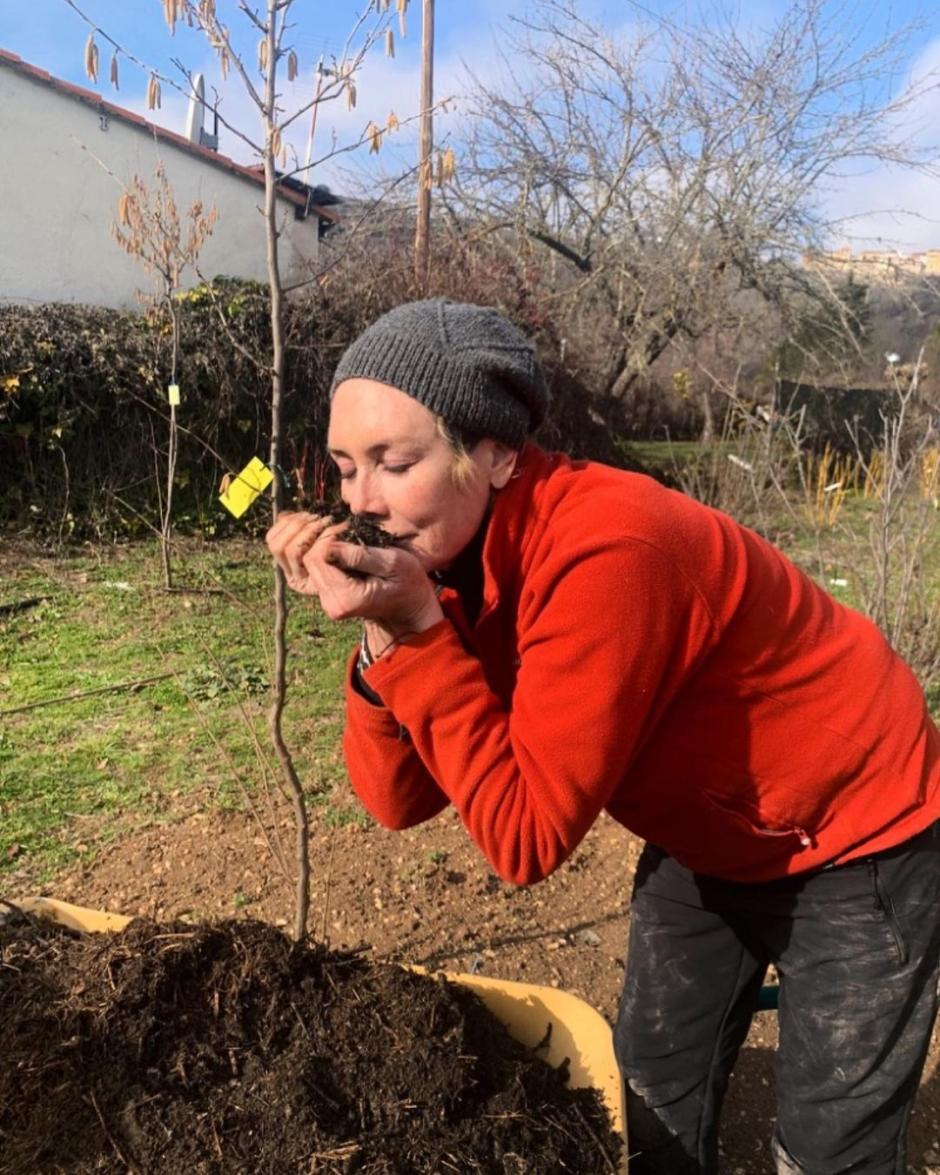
<point>886,205</point>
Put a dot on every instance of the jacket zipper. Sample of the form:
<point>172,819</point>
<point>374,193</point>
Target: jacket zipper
<point>801,834</point>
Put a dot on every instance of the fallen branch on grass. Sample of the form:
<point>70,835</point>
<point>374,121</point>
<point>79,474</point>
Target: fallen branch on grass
<point>88,693</point>
<point>22,605</point>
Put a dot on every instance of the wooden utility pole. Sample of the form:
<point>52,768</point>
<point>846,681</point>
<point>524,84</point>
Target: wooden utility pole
<point>426,144</point>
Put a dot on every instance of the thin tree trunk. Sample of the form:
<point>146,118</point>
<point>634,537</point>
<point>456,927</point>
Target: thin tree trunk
<point>423,231</point>
<point>623,382</point>
<point>708,418</point>
<point>279,685</point>
<point>172,448</point>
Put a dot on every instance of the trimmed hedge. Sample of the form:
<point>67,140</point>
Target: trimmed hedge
<point>84,412</point>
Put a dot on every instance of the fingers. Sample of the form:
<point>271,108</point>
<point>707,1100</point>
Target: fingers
<point>288,525</point>
<point>291,537</point>
<point>353,558</point>
<point>385,583</point>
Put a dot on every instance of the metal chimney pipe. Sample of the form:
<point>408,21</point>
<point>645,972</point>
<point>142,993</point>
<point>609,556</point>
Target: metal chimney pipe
<point>197,110</point>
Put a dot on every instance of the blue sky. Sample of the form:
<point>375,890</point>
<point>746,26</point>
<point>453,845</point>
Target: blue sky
<point>49,34</point>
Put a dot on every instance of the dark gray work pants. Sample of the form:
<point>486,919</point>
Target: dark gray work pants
<point>857,950</point>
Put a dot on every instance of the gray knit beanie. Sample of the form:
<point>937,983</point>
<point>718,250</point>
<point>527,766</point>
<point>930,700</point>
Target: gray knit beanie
<point>466,363</point>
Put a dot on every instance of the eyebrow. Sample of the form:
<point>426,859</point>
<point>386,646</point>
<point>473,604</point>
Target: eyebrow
<point>375,450</point>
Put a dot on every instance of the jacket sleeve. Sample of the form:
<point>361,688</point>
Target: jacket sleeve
<point>605,638</point>
<point>384,769</point>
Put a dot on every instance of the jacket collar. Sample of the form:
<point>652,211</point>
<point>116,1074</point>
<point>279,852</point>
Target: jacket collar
<point>513,519</point>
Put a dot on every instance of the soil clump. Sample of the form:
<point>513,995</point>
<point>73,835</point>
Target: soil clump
<point>224,1047</point>
<point>361,531</point>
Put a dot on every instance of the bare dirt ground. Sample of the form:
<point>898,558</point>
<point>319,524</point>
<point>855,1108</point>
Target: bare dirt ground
<point>426,896</point>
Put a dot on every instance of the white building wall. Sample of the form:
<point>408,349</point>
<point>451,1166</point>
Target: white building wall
<point>57,203</point>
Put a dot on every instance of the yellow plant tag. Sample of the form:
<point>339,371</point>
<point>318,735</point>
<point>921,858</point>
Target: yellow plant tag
<point>173,395</point>
<point>242,489</point>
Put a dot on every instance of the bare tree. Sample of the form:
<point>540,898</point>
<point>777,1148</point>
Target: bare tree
<point>668,181</point>
<point>149,229</point>
<point>903,479</point>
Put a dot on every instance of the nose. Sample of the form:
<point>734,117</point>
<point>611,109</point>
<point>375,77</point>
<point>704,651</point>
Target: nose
<point>363,495</point>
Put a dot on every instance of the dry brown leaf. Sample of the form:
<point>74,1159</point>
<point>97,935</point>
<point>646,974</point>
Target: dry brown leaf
<point>389,43</point>
<point>374,135</point>
<point>292,66</point>
<point>114,72</point>
<point>393,124</point>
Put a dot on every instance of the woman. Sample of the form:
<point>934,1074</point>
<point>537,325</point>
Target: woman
<point>551,638</point>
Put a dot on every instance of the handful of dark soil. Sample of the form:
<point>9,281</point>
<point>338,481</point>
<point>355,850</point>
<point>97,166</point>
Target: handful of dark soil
<point>358,530</point>
<point>226,1048</point>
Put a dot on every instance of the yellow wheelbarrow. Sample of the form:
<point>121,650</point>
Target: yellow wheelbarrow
<point>578,1032</point>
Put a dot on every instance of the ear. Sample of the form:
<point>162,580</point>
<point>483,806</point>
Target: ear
<point>502,463</point>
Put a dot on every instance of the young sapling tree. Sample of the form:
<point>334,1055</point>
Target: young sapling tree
<point>149,229</point>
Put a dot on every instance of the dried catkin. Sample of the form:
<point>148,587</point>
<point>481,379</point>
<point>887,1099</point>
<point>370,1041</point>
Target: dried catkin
<point>91,57</point>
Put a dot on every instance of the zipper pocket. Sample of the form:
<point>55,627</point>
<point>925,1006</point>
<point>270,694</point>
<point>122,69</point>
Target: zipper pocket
<point>804,838</point>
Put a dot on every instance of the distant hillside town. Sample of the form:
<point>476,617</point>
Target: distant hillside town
<point>875,266</point>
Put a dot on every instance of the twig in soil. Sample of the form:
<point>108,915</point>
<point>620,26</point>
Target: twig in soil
<point>593,1133</point>
<point>345,1150</point>
<point>545,1041</point>
<point>89,693</point>
<point>300,1020</point>
<point>215,1138</point>
<point>110,1137</point>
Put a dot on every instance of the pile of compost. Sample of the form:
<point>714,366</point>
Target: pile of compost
<point>226,1048</point>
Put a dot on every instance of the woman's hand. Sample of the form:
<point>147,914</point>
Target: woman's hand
<point>385,586</point>
<point>289,540</point>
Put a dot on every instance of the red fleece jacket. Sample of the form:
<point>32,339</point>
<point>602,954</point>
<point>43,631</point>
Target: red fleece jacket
<point>640,652</point>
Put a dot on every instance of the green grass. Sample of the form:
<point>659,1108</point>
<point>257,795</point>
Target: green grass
<point>77,772</point>
<point>670,454</point>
